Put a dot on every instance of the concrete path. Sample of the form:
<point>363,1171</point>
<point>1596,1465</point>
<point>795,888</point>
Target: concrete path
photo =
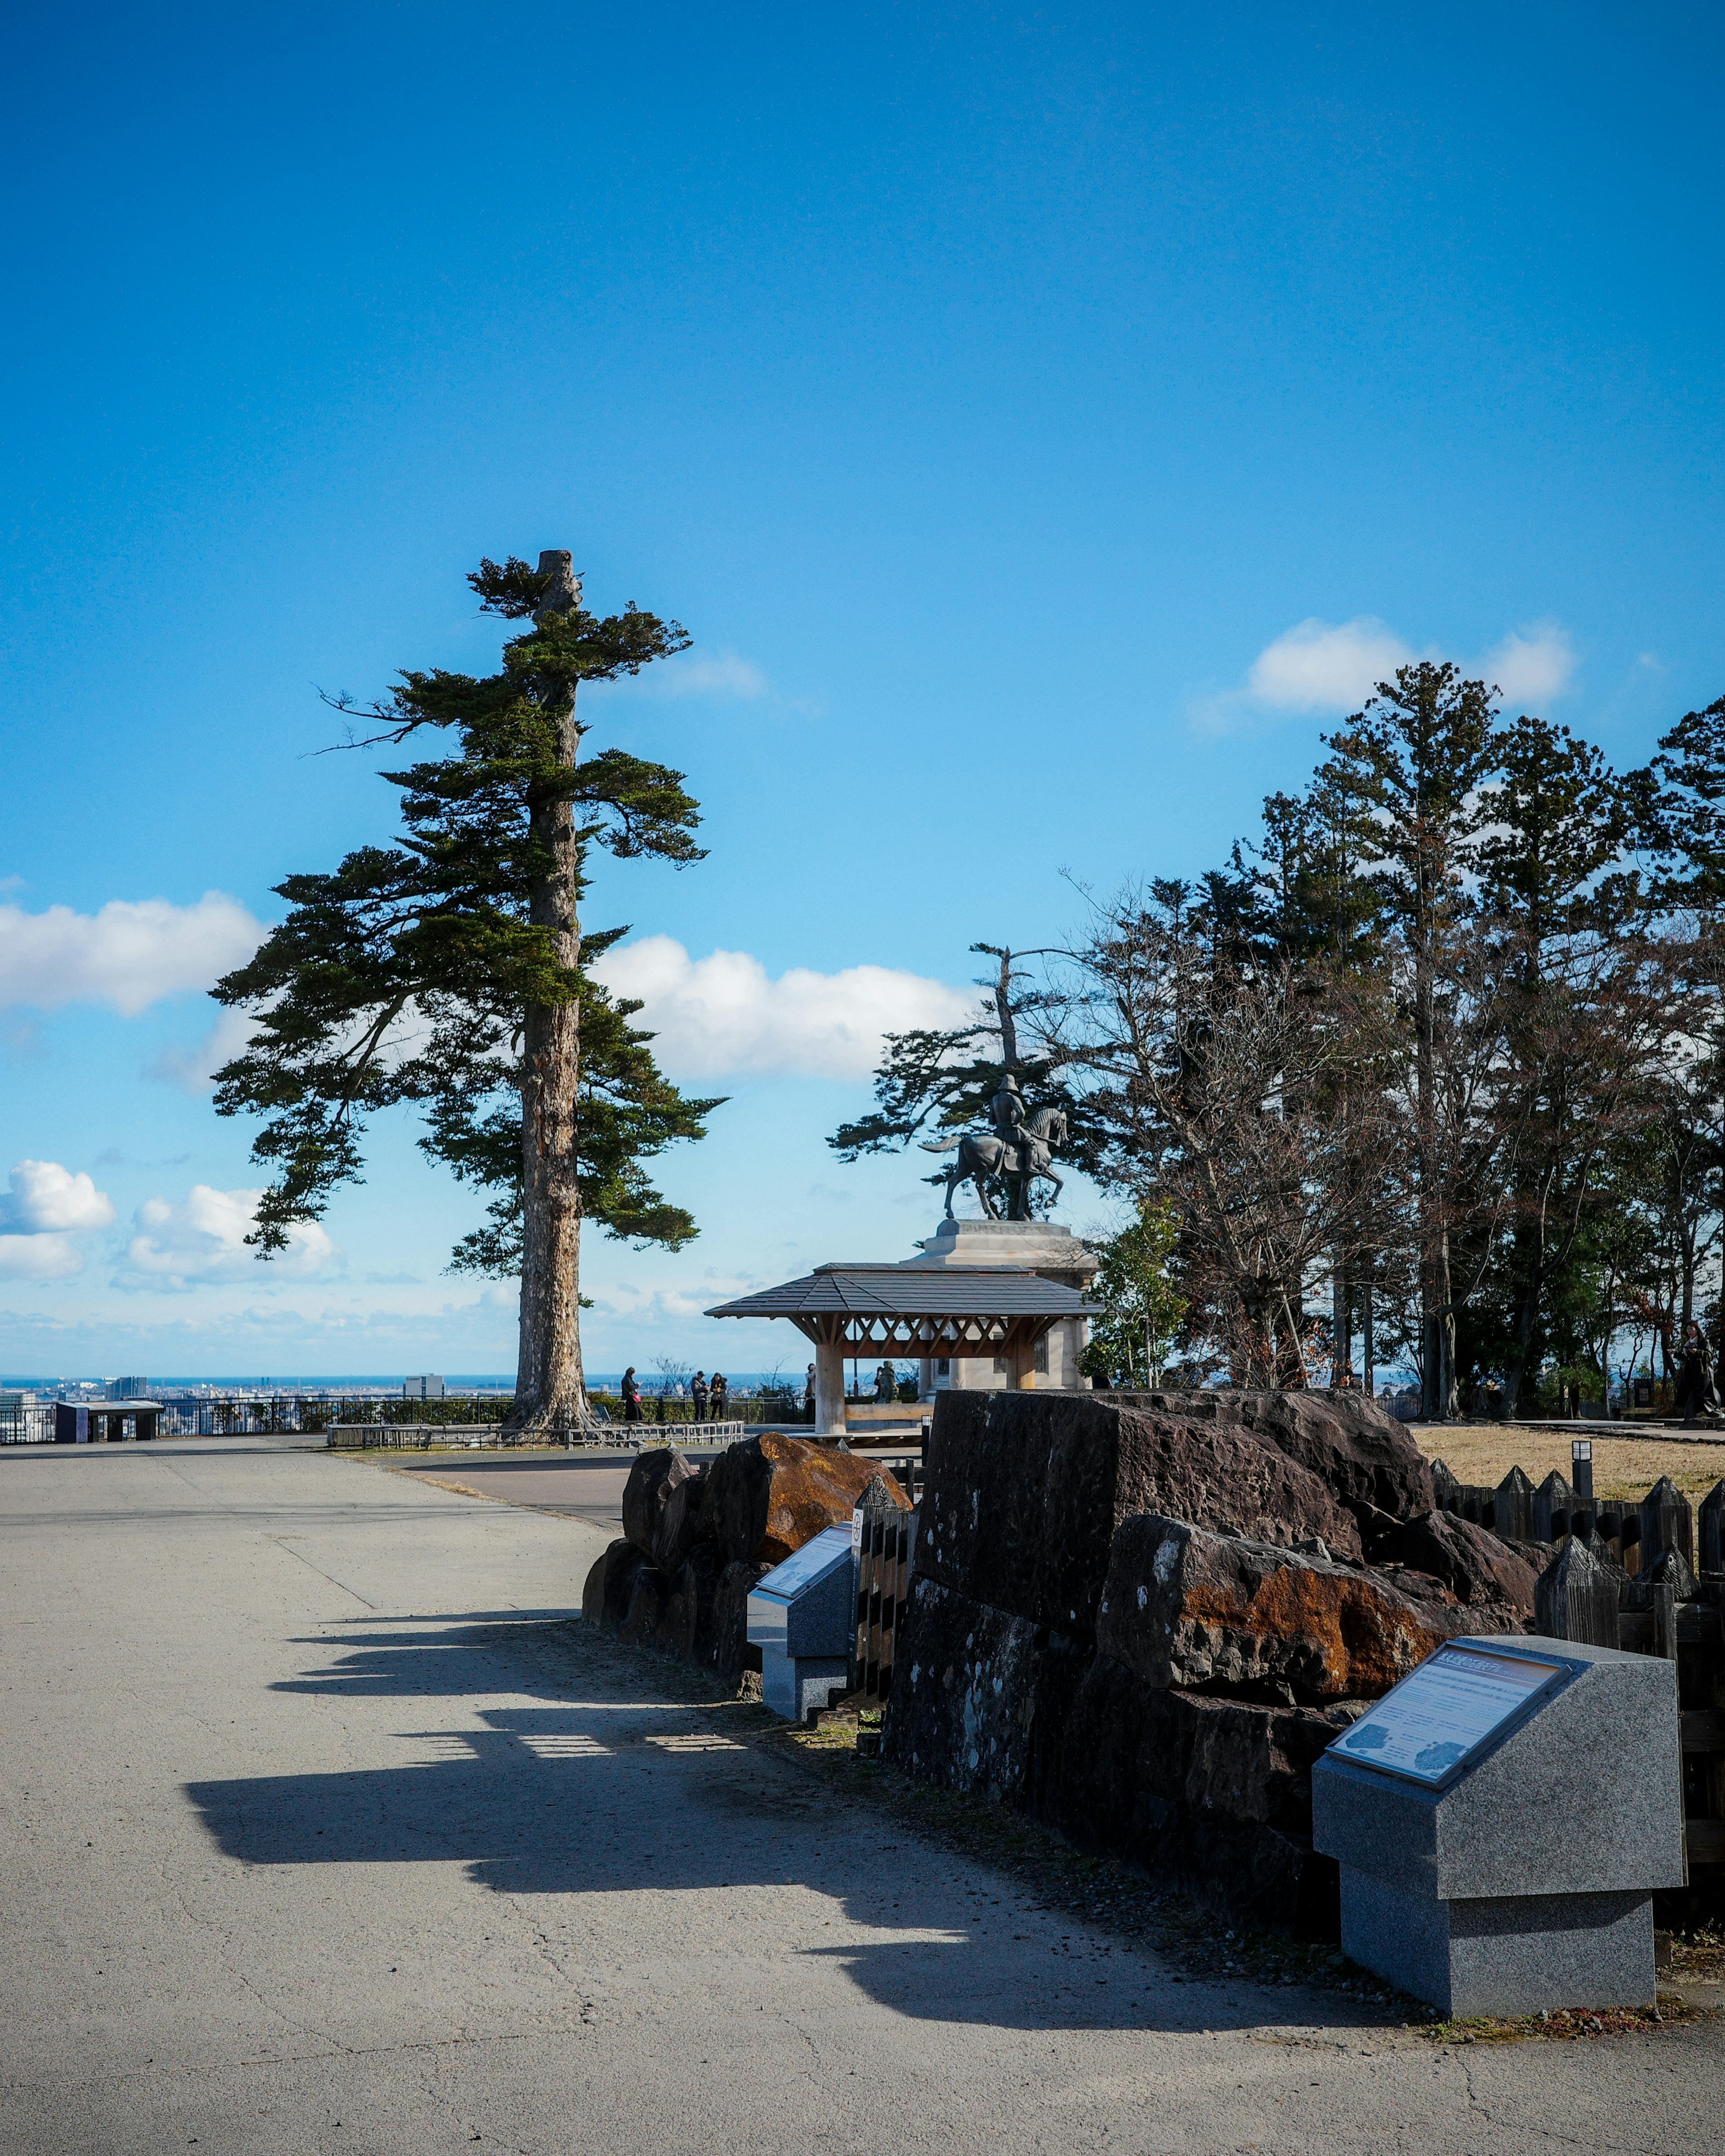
<point>327,1831</point>
<point>579,1486</point>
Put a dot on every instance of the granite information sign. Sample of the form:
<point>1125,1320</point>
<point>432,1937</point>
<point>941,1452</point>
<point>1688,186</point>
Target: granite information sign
<point>1441,1715</point>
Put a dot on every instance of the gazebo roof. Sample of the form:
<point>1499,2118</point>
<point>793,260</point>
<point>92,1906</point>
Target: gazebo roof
<point>911,1291</point>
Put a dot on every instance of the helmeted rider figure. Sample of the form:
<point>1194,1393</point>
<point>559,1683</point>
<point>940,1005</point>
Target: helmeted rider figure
<point>1006,1112</point>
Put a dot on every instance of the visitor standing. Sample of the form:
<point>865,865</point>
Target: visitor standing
<point>631,1396</point>
<point>808,1394</point>
<point>1695,1375</point>
<point>885,1384</point>
<point>719,1397</point>
<point>698,1393</point>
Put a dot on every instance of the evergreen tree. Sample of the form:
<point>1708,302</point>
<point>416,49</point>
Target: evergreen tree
<point>1581,1025</point>
<point>1415,759</point>
<point>944,1080</point>
<point>1142,1302</point>
<point>449,970</point>
<point>1681,797</point>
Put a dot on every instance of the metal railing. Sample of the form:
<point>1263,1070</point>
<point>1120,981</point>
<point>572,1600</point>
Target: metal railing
<point>282,1415</point>
<point>427,1437</point>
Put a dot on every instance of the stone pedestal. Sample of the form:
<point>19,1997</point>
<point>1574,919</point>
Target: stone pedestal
<point>1525,1881</point>
<point>1043,1247</point>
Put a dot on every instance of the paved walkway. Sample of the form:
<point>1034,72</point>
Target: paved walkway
<point>578,1485</point>
<point>327,1831</point>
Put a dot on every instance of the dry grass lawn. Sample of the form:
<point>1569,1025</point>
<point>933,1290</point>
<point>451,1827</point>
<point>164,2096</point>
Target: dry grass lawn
<point>1623,1466</point>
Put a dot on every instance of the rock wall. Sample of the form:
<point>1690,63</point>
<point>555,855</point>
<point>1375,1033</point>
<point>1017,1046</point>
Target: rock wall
<point>1140,1620</point>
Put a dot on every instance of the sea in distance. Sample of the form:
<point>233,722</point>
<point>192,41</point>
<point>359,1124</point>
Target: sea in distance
<point>456,1383</point>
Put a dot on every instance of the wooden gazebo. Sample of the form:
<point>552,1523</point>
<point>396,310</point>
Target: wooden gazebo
<point>907,1310</point>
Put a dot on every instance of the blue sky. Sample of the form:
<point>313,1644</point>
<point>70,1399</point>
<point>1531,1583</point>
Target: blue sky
<point>1043,420</point>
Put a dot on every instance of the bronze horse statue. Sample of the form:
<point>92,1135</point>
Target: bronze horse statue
<point>984,1160</point>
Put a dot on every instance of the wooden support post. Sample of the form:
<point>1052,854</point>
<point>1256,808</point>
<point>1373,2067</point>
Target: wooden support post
<point>829,1386</point>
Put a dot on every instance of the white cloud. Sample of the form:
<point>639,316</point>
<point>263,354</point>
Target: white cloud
<point>44,1206</point>
<point>1531,665</point>
<point>723,1013</point>
<point>203,1238</point>
<point>194,1069</point>
<point>40,1257</point>
<point>1314,667</point>
<point>1332,669</point>
<point>128,954</point>
<point>704,674</point>
<point>45,1197</point>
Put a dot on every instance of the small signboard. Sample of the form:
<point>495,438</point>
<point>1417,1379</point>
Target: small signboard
<point>1445,1713</point>
<point>803,1567</point>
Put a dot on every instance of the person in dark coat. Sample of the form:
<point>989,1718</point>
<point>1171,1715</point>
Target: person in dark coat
<point>1696,1393</point>
<point>631,1396</point>
<point>720,1396</point>
<point>697,1392</point>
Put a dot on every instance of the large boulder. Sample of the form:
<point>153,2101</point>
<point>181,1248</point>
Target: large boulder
<point>728,1653</point>
<point>610,1582</point>
<point>1208,1612</point>
<point>651,1480</point>
<point>1362,1456</point>
<point>970,1688</point>
<point>682,1523</point>
<point>767,1496</point>
<point>1213,1794</point>
<point>1190,1403</point>
<point>686,1618</point>
<point>646,1607</point>
<point>1474,1565</point>
<point>1024,1491</point>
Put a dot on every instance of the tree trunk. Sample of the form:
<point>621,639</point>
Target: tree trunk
<point>1531,1272</point>
<point>1432,1293</point>
<point>1341,1321</point>
<point>550,1392</point>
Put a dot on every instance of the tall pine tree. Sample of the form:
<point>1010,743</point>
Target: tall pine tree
<point>449,970</point>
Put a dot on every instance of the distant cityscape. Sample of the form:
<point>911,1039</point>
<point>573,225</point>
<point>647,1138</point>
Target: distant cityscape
<point>21,1391</point>
<point>28,1392</point>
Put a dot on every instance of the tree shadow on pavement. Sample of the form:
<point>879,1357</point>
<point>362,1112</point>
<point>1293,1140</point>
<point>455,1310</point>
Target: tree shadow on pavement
<point>591,1795</point>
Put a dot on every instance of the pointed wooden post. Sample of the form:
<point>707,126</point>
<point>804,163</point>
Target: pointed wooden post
<point>1514,1508</point>
<point>1711,1526</point>
<point>1575,1596</point>
<point>1551,1506</point>
<point>880,1537</point>
<point>1667,1523</point>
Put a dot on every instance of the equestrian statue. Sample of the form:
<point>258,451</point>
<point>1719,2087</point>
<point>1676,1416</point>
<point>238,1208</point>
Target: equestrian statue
<point>1019,1151</point>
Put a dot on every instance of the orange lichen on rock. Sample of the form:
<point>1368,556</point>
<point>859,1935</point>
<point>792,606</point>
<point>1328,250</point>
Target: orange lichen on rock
<point>1186,1608</point>
<point>766,1498</point>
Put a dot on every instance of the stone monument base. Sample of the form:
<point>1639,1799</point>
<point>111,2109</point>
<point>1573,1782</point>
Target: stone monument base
<point>1508,1955</point>
<point>797,1686</point>
<point>1045,1246</point>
